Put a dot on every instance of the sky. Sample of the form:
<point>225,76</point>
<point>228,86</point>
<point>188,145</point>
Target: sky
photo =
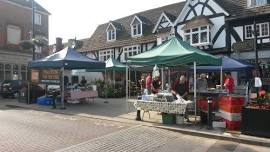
<point>80,18</point>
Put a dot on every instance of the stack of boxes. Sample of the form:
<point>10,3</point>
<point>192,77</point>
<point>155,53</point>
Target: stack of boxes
<point>230,109</point>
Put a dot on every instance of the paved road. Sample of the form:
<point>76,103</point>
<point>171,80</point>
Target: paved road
<point>23,130</point>
<point>27,130</point>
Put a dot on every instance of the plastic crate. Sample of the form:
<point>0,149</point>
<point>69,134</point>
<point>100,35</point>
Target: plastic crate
<point>203,105</point>
<point>168,118</point>
<point>231,100</point>
<point>231,108</point>
<point>44,101</point>
<point>233,125</point>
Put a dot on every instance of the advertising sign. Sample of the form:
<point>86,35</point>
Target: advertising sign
<point>50,76</point>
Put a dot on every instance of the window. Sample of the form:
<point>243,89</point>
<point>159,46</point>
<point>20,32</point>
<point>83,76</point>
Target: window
<point>261,28</point>
<point>105,55</point>
<point>130,51</point>
<point>198,36</point>
<point>23,72</point>
<point>136,27</point>
<point>7,71</point>
<point>37,19</point>
<point>255,3</point>
<point>13,34</point>
<point>111,35</point>
<point>137,30</point>
<point>2,77</point>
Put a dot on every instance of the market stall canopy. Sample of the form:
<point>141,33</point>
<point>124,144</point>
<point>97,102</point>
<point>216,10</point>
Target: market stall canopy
<point>68,58</point>
<point>228,64</point>
<point>174,52</point>
<point>111,65</point>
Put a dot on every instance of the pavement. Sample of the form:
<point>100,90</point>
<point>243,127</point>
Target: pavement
<point>26,130</point>
<point>118,110</point>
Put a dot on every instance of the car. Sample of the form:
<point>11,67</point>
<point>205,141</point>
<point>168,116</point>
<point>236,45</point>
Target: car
<point>10,88</point>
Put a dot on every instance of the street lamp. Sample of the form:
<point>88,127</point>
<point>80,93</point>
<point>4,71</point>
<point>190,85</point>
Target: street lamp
<point>33,29</point>
<point>256,54</point>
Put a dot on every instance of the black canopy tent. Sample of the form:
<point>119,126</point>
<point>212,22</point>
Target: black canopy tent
<point>68,58</point>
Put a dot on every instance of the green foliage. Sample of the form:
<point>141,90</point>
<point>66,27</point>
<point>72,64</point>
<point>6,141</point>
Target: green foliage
<point>112,91</point>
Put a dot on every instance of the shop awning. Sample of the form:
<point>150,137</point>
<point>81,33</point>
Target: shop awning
<point>174,52</point>
<point>68,58</point>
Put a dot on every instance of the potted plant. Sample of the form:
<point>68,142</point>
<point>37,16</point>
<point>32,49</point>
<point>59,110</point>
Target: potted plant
<point>256,117</point>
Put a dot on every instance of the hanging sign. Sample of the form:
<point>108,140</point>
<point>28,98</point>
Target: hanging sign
<point>34,75</point>
<point>50,76</point>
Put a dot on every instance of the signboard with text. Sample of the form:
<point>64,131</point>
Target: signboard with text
<point>50,76</point>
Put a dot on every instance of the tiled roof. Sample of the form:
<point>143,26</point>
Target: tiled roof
<point>239,9</point>
<point>28,3</point>
<point>98,40</point>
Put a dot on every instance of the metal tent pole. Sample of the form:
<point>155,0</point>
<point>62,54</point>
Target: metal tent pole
<point>127,106</point>
<point>129,82</point>
<point>113,78</point>
<point>62,88</point>
<point>221,76</point>
<point>169,73</point>
<point>162,77</point>
<point>195,90</point>
<point>105,88</point>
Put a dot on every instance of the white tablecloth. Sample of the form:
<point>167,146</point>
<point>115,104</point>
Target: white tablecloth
<point>166,107</point>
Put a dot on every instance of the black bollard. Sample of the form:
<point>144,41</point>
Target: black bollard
<point>209,115</point>
<point>54,94</point>
<point>138,117</point>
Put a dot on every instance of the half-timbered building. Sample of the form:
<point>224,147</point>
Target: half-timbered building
<point>219,27</point>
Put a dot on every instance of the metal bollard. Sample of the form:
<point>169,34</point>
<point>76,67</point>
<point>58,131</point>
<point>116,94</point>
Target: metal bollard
<point>138,116</point>
<point>54,94</point>
<point>209,115</point>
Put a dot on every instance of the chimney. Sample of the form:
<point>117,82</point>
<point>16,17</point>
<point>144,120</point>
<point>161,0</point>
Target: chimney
<point>71,43</point>
<point>58,45</point>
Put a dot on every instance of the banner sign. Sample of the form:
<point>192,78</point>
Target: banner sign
<point>35,76</point>
<point>50,76</point>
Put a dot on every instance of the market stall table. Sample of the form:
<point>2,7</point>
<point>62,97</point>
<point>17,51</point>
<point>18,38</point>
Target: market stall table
<point>75,96</point>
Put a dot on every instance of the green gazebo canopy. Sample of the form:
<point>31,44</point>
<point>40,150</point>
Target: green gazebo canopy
<point>174,52</point>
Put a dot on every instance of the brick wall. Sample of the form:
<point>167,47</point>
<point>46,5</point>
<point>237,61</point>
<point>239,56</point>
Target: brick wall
<point>21,17</point>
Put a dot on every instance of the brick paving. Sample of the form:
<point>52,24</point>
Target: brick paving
<point>135,139</point>
<point>148,139</point>
<point>23,130</point>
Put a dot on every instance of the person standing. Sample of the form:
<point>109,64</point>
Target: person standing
<point>229,82</point>
<point>83,81</point>
<point>202,83</point>
<point>180,88</point>
<point>142,83</point>
<point>148,83</point>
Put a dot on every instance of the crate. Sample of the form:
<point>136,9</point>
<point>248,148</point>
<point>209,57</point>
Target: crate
<point>233,125</point>
<point>168,118</point>
<point>44,101</point>
<point>231,100</point>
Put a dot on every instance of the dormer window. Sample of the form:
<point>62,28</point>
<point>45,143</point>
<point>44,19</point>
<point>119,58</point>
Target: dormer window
<point>136,27</point>
<point>111,35</point>
<point>111,32</point>
<point>198,36</point>
<point>256,3</point>
<point>197,31</point>
<point>136,30</point>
